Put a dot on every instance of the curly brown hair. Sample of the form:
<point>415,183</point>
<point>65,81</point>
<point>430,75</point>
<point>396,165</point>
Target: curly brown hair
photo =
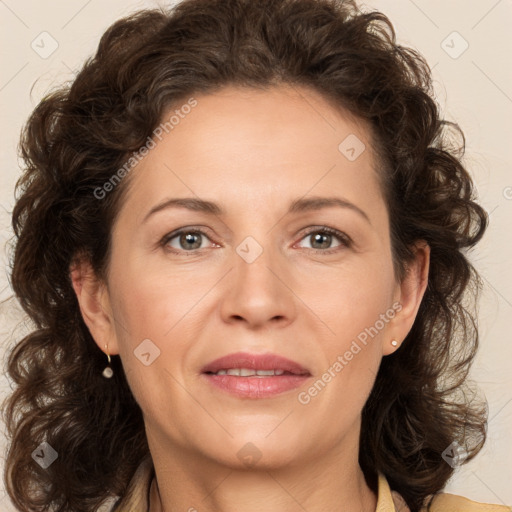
<point>80,134</point>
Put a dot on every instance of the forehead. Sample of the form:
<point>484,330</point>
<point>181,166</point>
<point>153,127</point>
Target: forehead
<point>249,146</point>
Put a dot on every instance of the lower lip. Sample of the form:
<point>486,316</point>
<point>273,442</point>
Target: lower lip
<point>256,387</point>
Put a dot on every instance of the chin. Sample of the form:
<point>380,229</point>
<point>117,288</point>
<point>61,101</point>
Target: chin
<point>254,452</point>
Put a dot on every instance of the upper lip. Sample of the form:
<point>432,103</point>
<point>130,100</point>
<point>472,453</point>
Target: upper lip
<point>255,362</point>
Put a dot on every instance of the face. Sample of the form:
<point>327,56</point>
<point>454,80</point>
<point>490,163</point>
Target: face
<point>291,259</point>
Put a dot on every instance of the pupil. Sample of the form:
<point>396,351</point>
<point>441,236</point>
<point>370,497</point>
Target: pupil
<point>189,239</point>
<point>326,237</point>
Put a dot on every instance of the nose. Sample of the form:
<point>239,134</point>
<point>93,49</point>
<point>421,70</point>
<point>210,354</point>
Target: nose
<point>259,293</point>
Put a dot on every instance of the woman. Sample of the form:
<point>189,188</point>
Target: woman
<point>241,237</point>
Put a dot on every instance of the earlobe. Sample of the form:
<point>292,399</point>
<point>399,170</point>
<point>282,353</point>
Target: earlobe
<point>411,291</point>
<point>94,303</point>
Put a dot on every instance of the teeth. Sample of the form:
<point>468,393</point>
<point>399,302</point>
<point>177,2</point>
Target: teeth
<point>246,372</point>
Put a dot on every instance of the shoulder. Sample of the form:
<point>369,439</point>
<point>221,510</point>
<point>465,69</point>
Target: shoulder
<point>391,501</point>
<point>445,502</point>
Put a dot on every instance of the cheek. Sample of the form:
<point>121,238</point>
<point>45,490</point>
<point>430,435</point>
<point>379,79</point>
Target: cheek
<point>351,356</point>
<point>152,301</point>
<point>358,298</point>
<point>358,310</point>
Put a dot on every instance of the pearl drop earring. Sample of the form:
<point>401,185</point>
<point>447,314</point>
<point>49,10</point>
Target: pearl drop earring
<point>394,343</point>
<point>108,372</point>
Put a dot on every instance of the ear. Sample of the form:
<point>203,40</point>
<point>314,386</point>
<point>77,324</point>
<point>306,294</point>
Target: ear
<point>409,294</point>
<point>94,301</point>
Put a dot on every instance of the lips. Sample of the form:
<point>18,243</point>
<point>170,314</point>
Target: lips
<point>256,363</point>
<point>254,376</point>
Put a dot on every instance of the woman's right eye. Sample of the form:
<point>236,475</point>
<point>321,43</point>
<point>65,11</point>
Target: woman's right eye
<point>185,240</point>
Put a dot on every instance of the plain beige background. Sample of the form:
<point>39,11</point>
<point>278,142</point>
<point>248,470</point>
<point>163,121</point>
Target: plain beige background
<point>467,44</point>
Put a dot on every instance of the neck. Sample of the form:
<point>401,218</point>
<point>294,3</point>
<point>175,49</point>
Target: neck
<point>327,482</point>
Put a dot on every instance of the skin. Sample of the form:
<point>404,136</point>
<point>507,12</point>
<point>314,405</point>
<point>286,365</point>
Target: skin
<point>253,152</point>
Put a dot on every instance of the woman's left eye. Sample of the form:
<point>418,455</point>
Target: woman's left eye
<point>321,239</point>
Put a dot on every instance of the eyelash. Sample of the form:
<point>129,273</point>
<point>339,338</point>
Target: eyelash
<point>345,240</point>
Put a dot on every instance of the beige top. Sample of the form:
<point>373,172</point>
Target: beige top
<point>142,486</point>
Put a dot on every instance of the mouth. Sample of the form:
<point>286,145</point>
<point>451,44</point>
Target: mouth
<point>249,372</point>
<point>255,375</point>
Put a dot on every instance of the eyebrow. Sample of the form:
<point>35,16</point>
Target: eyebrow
<point>296,206</point>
